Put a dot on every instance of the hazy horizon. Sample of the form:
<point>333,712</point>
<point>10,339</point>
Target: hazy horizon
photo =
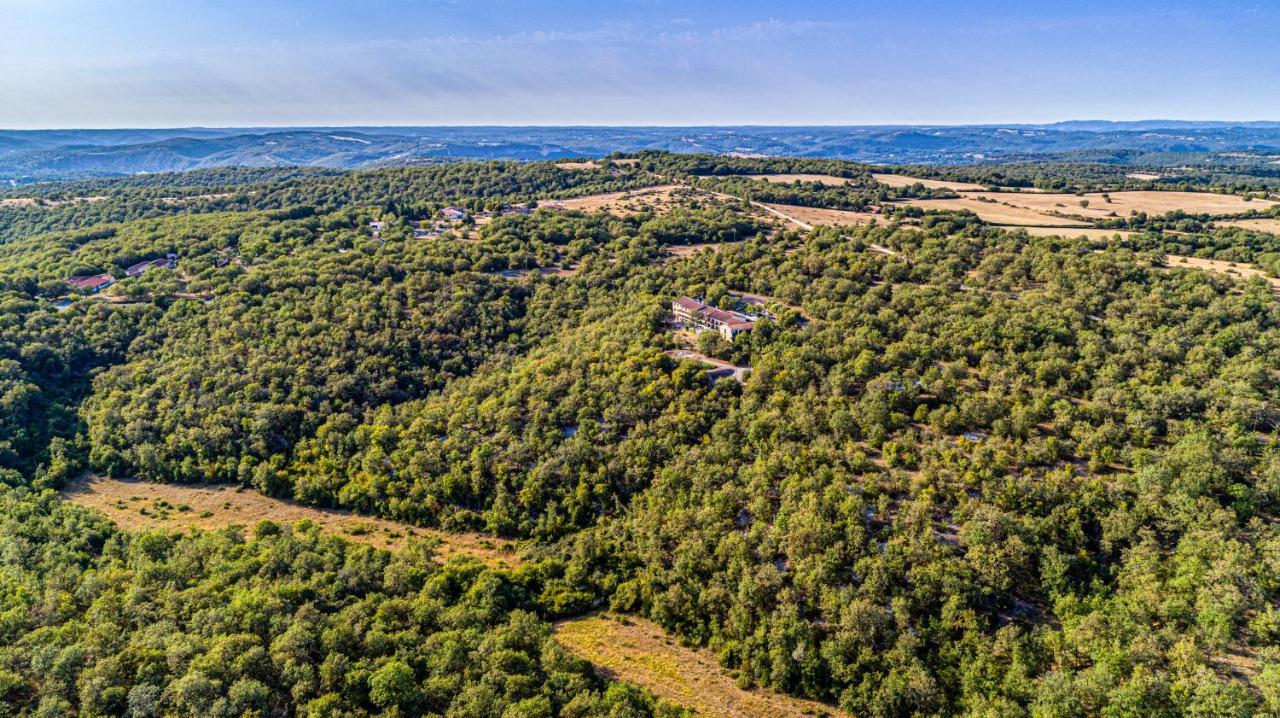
<point>623,125</point>
<point>638,63</point>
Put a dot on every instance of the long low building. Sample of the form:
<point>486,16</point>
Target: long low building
<point>92,283</point>
<point>701,317</point>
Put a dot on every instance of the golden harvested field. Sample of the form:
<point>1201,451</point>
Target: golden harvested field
<point>997,213</point>
<point>578,165</point>
<point>828,180</point>
<point>638,651</point>
<point>1071,232</point>
<point>1125,203</point>
<point>1143,176</point>
<point>1257,225</point>
<point>904,181</point>
<point>659,198</point>
<point>819,216</point>
<point>1234,269</point>
<point>139,505</point>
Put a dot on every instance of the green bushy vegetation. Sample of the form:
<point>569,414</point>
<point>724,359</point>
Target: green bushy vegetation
<point>987,474</point>
<point>281,621</point>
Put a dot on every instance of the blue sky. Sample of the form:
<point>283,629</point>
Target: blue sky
<point>147,63</point>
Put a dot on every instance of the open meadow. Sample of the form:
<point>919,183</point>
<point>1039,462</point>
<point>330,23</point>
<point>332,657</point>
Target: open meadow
<point>996,212</point>
<point>633,649</point>
<point>1258,225</point>
<point>892,180</point>
<point>818,216</point>
<point>827,180</point>
<point>1095,205</point>
<point>145,506</point>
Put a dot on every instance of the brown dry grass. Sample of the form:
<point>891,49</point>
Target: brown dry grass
<point>904,181</point>
<point>1071,232</point>
<point>138,505</point>
<point>688,250</point>
<point>660,198</point>
<point>1122,204</point>
<point>1257,225</point>
<point>1234,269</point>
<point>30,201</point>
<point>997,213</point>
<point>638,651</point>
<point>820,216</point>
<point>828,180</point>
<point>589,165</point>
<point>1143,176</point>
<point>195,197</point>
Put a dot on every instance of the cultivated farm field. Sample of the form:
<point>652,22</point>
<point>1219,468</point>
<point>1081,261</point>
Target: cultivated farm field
<point>820,216</point>
<point>905,181</point>
<point>1123,204</point>
<point>997,213</point>
<point>829,180</point>
<point>1257,225</point>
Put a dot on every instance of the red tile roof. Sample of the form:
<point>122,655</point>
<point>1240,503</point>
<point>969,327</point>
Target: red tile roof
<point>692,305</point>
<point>96,281</point>
<point>729,319</point>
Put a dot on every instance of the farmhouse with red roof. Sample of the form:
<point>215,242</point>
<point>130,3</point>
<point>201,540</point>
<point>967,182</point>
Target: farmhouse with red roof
<point>701,317</point>
<point>92,283</point>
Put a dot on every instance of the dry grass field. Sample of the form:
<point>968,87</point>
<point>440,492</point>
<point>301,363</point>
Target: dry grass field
<point>638,651</point>
<point>1143,176</point>
<point>137,505</point>
<point>195,198</point>
<point>660,198</point>
<point>904,181</point>
<point>688,250</point>
<point>997,213</point>
<point>828,180</point>
<point>1257,225</point>
<point>1234,269</point>
<point>819,216</point>
<point>31,202</point>
<point>1123,204</point>
<point>1072,232</point>
<point>578,165</point>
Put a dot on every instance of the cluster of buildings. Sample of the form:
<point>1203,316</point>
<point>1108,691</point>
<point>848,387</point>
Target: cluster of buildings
<point>427,228</point>
<point>453,214</point>
<point>700,317</point>
<point>169,261</point>
<point>91,283</point>
<point>94,283</point>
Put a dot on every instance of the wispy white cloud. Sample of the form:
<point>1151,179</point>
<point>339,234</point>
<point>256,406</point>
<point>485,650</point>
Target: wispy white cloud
<point>671,63</point>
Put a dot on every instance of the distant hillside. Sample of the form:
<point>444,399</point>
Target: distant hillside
<point>27,156</point>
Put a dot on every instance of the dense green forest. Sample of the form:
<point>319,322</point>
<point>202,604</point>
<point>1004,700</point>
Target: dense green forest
<point>972,473</point>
